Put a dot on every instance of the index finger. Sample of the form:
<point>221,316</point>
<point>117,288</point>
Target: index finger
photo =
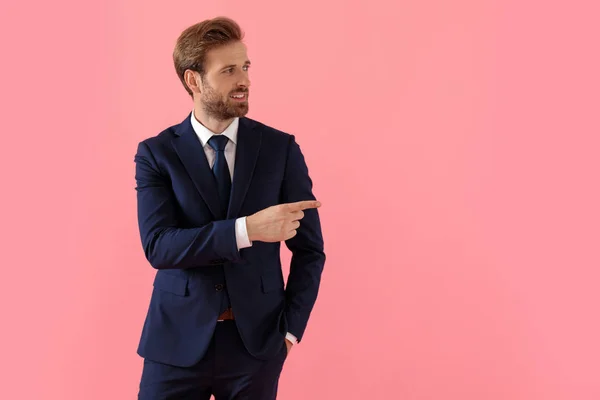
<point>303,205</point>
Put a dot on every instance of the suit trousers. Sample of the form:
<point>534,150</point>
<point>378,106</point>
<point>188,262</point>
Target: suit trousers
<point>227,371</point>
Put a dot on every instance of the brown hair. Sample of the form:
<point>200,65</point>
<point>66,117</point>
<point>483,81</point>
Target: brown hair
<point>194,42</point>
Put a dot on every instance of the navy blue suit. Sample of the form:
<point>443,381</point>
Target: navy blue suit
<point>194,249</point>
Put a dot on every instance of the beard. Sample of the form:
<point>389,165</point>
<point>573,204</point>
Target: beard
<point>221,108</point>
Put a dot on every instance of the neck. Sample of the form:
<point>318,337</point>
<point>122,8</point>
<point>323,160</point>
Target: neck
<point>216,126</point>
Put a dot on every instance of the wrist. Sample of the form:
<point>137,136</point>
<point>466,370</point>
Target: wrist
<point>250,228</point>
<point>291,338</point>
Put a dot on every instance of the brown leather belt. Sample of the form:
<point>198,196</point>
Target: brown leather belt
<point>227,315</point>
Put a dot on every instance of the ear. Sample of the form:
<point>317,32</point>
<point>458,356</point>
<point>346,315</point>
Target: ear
<point>192,80</point>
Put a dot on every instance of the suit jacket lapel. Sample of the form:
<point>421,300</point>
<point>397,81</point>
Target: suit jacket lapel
<point>247,149</point>
<point>190,151</point>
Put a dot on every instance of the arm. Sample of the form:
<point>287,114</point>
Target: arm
<point>308,257</point>
<point>165,245</point>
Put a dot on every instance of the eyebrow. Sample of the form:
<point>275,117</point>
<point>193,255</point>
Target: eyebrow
<point>234,65</point>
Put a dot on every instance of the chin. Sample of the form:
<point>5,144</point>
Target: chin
<point>241,111</point>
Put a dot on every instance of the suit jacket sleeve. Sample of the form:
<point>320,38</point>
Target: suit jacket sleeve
<point>166,245</point>
<point>308,257</point>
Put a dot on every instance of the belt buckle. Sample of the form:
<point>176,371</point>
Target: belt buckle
<point>226,315</point>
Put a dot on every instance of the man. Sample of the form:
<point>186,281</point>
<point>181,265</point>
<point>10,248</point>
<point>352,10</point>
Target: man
<point>216,195</point>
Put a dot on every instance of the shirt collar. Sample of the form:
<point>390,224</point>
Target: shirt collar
<point>204,134</point>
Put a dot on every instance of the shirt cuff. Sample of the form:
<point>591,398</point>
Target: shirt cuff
<point>241,234</point>
<point>291,338</point>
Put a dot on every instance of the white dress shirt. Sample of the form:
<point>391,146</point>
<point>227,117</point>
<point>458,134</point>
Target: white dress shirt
<point>204,134</point>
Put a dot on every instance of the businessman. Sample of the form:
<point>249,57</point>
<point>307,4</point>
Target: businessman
<point>216,196</point>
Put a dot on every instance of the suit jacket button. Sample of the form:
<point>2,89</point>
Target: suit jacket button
<point>219,287</point>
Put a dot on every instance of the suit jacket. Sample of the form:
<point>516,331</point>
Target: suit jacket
<point>195,252</point>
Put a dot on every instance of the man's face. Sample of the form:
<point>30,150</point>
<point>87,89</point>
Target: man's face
<point>224,89</point>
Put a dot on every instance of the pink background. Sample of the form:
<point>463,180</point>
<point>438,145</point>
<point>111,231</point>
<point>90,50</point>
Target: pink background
<point>468,268</point>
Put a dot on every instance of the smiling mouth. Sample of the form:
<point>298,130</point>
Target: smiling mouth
<point>239,96</point>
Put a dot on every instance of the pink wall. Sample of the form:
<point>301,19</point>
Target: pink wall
<point>466,269</point>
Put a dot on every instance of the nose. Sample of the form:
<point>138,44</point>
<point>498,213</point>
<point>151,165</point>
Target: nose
<point>244,80</point>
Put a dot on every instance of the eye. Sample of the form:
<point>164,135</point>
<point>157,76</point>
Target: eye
<point>246,67</point>
<point>228,70</point>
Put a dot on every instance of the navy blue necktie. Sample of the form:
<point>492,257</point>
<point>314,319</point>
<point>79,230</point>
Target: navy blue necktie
<point>221,170</point>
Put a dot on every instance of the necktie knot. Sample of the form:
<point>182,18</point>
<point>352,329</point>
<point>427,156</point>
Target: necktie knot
<point>218,142</point>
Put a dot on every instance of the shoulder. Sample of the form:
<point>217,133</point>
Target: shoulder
<point>162,141</point>
<point>163,138</point>
<point>268,132</point>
